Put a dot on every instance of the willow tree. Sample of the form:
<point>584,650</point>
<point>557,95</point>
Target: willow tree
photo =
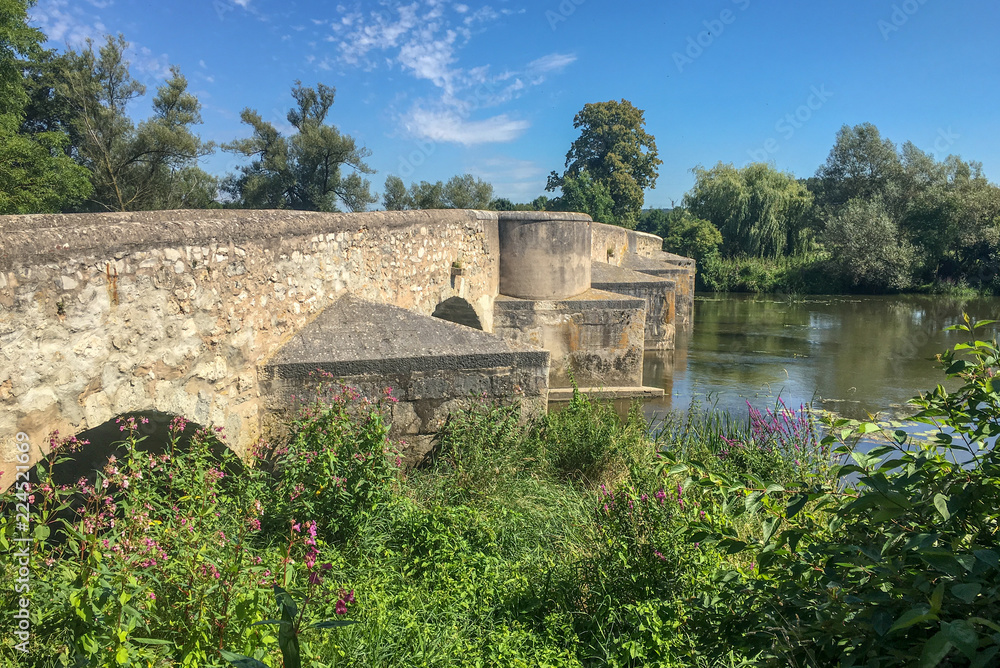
<point>617,152</point>
<point>315,169</point>
<point>759,210</point>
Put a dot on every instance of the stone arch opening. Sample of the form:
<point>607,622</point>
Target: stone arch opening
<point>154,430</point>
<point>457,310</point>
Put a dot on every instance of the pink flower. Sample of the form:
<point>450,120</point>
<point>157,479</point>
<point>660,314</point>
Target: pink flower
<point>341,608</point>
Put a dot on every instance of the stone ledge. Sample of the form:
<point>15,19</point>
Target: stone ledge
<point>560,394</point>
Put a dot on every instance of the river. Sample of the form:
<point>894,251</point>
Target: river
<point>851,355</point>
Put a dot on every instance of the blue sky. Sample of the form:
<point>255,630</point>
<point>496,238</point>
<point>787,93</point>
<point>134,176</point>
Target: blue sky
<point>435,88</point>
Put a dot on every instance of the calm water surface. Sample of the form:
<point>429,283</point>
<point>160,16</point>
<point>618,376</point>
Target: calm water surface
<point>848,354</point>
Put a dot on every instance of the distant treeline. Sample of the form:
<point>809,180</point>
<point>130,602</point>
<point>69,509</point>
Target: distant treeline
<point>874,218</point>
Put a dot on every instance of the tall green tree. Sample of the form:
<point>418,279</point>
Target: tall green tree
<point>459,192</point>
<point>36,173</point>
<point>861,165</point>
<point>133,167</point>
<point>315,169</point>
<point>868,247</point>
<point>617,152</point>
<point>583,194</point>
<point>760,211</point>
<point>682,232</point>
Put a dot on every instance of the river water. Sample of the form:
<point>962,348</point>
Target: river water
<point>851,355</point>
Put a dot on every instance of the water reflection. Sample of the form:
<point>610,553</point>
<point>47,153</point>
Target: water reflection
<point>852,355</point>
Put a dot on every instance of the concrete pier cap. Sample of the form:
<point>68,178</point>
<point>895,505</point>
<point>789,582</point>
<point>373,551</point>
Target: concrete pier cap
<point>544,255</point>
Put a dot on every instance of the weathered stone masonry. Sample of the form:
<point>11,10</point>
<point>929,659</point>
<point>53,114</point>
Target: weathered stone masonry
<point>176,311</point>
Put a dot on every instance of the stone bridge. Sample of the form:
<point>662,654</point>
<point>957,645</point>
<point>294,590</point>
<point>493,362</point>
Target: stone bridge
<point>219,315</point>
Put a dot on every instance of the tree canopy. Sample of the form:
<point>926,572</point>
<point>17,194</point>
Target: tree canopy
<point>460,192</point>
<point>617,152</point>
<point>758,209</point>
<point>316,169</point>
<point>37,175</point>
<point>132,167</point>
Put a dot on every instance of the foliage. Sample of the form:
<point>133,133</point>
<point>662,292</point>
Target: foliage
<point>460,192</point>
<point>571,539</point>
<point>861,165</point>
<point>868,247</point>
<point>131,167</point>
<point>759,210</point>
<point>617,152</point>
<point>898,564</point>
<point>305,170</point>
<point>338,464</point>
<point>797,274</point>
<point>583,194</point>
<point>290,625</point>
<point>36,173</point>
<point>682,232</point>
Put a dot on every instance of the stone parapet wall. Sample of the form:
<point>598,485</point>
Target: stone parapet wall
<point>173,311</point>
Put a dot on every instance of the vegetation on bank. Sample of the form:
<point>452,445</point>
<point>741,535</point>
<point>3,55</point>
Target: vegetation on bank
<point>570,540</point>
<point>873,219</point>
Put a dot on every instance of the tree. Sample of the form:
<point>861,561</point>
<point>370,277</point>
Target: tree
<point>467,192</point>
<point>861,165</point>
<point>868,246</point>
<point>585,195</point>
<point>460,192</point>
<point>760,211</point>
<point>614,148</point>
<point>132,167</point>
<point>36,173</point>
<point>682,233</point>
<point>306,170</point>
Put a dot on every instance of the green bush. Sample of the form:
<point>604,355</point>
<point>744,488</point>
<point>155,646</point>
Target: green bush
<point>899,564</point>
<point>338,464</point>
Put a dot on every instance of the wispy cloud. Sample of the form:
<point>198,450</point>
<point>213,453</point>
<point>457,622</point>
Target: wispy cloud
<point>72,25</point>
<point>67,24</point>
<point>520,180</point>
<point>444,126</point>
<point>424,38</point>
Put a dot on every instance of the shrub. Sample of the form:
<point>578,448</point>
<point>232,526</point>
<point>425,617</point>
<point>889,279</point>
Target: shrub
<point>898,568</point>
<point>338,464</point>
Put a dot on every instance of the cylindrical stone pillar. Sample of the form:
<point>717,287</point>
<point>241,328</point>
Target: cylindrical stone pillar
<point>544,255</point>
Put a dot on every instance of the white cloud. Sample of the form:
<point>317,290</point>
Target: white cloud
<point>66,25</point>
<point>423,39</point>
<point>519,180</point>
<point>446,126</point>
<point>554,62</point>
<point>242,3</point>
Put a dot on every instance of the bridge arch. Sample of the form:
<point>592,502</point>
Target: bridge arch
<point>458,310</point>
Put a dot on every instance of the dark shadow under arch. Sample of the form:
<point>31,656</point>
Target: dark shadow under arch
<point>457,310</point>
<point>108,439</point>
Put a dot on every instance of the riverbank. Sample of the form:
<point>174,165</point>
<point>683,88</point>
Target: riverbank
<point>814,274</point>
<point>568,540</point>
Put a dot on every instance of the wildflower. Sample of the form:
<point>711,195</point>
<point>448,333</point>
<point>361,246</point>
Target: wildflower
<point>297,528</point>
<point>314,579</point>
<point>341,608</point>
